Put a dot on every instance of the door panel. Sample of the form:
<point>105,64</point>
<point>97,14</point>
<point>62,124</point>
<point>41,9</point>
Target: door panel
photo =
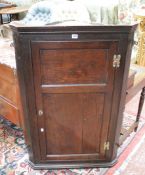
<point>74,88</point>
<point>76,128</point>
<point>74,66</point>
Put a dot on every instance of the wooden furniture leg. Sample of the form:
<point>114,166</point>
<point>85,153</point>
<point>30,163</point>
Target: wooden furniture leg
<point>139,84</point>
<point>141,102</point>
<point>1,19</point>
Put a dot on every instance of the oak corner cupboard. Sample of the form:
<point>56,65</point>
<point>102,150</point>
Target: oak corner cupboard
<point>73,84</point>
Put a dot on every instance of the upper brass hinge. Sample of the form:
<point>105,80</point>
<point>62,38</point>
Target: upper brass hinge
<point>116,61</point>
<point>106,145</point>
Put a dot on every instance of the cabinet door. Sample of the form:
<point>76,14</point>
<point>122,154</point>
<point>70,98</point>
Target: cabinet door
<point>74,90</point>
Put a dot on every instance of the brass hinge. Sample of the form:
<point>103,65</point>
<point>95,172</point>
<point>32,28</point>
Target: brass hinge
<point>106,145</point>
<point>116,61</point>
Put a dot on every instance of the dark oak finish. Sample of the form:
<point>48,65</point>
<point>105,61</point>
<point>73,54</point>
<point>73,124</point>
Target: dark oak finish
<point>72,96</point>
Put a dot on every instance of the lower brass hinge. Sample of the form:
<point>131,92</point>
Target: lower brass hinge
<point>106,146</point>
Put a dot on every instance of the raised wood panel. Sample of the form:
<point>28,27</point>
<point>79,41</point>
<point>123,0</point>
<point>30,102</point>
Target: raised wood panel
<point>69,131</point>
<point>74,66</point>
